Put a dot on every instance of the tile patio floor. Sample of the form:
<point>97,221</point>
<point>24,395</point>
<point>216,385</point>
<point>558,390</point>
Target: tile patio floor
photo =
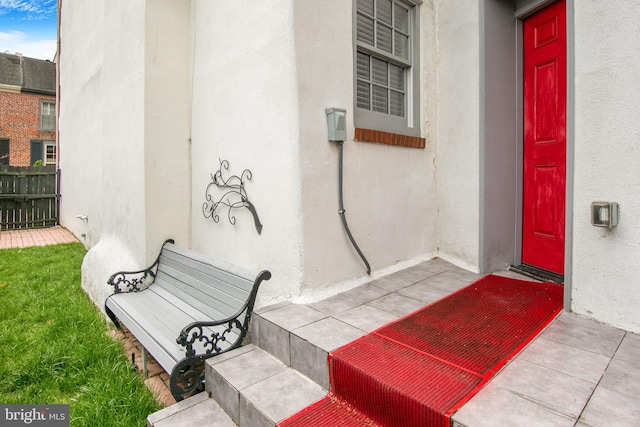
<point>577,372</point>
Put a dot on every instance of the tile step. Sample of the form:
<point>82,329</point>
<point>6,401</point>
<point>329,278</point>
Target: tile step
<point>246,387</point>
<point>256,389</point>
<point>196,411</point>
<point>302,337</point>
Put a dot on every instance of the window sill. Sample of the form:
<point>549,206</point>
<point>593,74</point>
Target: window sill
<point>370,135</point>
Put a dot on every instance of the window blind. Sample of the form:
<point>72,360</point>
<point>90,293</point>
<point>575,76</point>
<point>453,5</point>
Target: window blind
<point>383,35</point>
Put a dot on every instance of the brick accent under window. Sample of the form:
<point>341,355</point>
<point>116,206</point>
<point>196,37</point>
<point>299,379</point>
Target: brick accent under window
<point>369,135</point>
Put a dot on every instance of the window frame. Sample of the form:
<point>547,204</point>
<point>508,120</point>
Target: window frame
<point>44,102</point>
<point>45,157</point>
<point>368,119</point>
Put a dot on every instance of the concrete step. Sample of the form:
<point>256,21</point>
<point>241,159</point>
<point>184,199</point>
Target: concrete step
<point>196,411</point>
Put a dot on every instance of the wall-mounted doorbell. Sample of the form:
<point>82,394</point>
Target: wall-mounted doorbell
<point>604,214</point>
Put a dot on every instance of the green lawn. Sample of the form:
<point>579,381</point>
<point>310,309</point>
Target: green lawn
<point>54,346</point>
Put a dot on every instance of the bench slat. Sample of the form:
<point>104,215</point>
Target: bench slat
<point>202,288</point>
<point>230,284</point>
<point>156,322</point>
<point>164,312</point>
<point>156,341</point>
<point>183,306</point>
<point>209,278</point>
<point>194,296</point>
<point>224,273</point>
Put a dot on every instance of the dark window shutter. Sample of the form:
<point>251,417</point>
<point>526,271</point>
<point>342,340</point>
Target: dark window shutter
<point>4,151</point>
<point>36,151</point>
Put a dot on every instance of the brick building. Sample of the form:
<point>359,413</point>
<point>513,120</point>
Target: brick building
<point>27,111</point>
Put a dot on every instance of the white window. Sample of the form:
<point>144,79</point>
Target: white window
<point>50,153</point>
<point>386,66</point>
<point>47,115</point>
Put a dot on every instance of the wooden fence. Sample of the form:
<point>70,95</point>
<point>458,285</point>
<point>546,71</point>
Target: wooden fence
<point>29,197</point>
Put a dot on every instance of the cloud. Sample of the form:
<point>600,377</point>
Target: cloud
<point>29,9</point>
<point>29,27</point>
<point>17,41</point>
<point>12,36</point>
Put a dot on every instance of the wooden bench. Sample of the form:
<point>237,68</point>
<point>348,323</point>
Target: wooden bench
<point>184,309</point>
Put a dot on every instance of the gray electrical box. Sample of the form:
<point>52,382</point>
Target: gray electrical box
<point>337,124</point>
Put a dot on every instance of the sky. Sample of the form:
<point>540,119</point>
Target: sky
<point>29,27</point>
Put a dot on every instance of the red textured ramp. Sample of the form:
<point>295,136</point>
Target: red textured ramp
<point>330,411</point>
<point>397,385</point>
<point>418,370</point>
<point>480,325</point>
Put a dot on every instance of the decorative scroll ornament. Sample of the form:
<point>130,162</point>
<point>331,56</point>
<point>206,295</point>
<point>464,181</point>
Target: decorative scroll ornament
<point>234,195</point>
<point>131,281</point>
<point>135,281</point>
<point>211,340</point>
<point>187,378</point>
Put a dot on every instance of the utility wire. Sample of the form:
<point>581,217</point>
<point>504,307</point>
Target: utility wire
<point>341,211</point>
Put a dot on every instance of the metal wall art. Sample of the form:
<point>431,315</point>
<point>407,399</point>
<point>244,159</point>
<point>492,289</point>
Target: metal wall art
<point>228,193</point>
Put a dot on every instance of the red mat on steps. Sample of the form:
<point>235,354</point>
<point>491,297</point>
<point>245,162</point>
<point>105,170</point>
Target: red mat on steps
<point>419,370</point>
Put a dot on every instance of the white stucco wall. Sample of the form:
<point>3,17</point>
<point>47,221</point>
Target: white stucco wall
<point>389,192</point>
<point>90,91</point>
<point>259,95</point>
<point>167,123</point>
<point>112,135</point>
<point>245,111</point>
<point>458,131</point>
<point>249,82</point>
<point>101,136</point>
<point>259,101</point>
<point>606,263</point>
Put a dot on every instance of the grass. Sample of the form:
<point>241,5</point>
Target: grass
<point>54,347</point>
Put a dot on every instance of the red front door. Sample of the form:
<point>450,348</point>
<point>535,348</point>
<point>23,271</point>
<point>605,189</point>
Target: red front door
<point>544,138</point>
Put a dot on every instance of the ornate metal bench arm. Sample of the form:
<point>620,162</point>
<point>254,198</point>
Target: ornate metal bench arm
<point>187,377</point>
<point>211,341</point>
<point>132,281</point>
<point>135,281</point>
